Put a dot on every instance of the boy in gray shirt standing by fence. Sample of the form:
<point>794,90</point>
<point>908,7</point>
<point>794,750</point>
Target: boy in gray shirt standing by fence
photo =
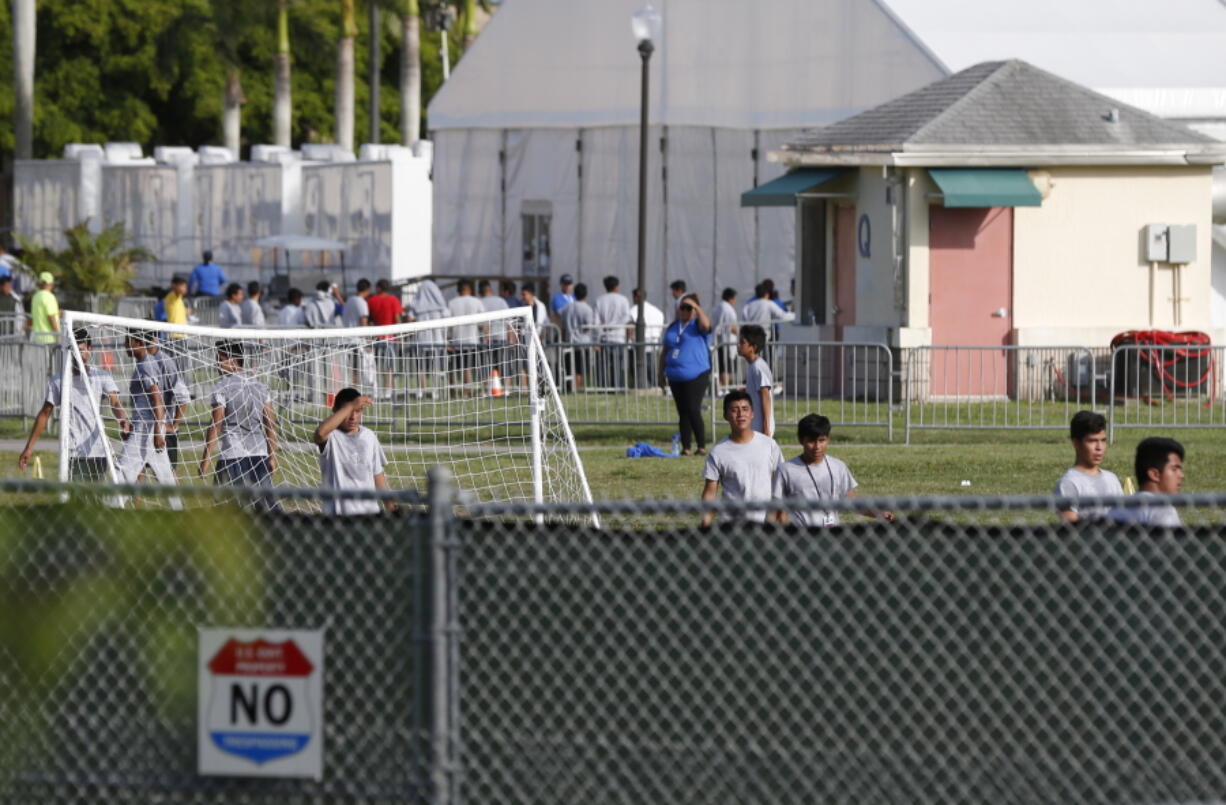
<point>759,381</point>
<point>1087,478</point>
<point>744,464</point>
<point>813,475</point>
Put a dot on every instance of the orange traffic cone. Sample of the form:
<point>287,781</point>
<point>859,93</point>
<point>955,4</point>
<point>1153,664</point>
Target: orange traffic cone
<point>495,384</point>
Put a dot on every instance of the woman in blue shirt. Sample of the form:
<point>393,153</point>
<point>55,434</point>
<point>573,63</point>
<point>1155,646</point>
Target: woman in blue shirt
<point>685,363</point>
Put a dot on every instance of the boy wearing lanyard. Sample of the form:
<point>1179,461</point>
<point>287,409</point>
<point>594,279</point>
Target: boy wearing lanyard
<point>816,476</point>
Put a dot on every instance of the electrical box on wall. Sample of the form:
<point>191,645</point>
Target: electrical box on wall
<point>1156,243</point>
<point>1170,243</point>
<point>1181,243</point>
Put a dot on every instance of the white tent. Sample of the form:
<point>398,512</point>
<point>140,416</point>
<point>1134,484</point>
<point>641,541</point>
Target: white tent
<point>539,124</point>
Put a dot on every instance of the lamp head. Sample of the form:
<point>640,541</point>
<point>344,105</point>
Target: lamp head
<point>646,24</point>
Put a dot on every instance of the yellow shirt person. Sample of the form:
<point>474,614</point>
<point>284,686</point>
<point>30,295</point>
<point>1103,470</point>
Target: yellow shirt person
<point>176,307</point>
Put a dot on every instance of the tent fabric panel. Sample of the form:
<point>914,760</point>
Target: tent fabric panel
<point>735,225</point>
<point>691,210</point>
<point>609,210</point>
<point>986,187</point>
<point>467,203</point>
<point>782,192</point>
<point>543,165</point>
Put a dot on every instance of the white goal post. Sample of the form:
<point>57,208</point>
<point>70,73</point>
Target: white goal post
<point>474,393</point>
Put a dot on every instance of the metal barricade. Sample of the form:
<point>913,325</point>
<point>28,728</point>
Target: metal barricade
<point>998,387</point>
<point>1166,387</point>
<point>24,369</point>
<point>611,384</point>
<point>851,383</point>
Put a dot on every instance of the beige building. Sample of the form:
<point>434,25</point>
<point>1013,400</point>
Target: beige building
<point>1002,205</point>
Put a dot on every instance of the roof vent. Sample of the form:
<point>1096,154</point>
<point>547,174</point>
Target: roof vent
<point>1113,116</point>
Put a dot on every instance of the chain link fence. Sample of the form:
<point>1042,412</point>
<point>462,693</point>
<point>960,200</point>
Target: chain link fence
<point>973,650</point>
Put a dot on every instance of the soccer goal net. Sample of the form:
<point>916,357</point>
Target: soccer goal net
<point>473,393</point>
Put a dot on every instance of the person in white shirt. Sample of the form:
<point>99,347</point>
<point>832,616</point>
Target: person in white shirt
<point>230,311</point>
<point>744,464</point>
<point>252,309</point>
<point>1159,468</point>
<point>350,456</point>
<point>244,422</point>
<point>465,338</point>
<point>87,459</point>
<point>759,381</point>
<point>763,311</point>
<point>577,320</point>
<point>613,317</point>
<point>321,310</point>
<point>357,312</point>
<point>1087,478</point>
<point>430,348</point>
<point>292,313</point>
<point>723,325</point>
<point>495,332</point>
<point>653,317</point>
<point>677,289</point>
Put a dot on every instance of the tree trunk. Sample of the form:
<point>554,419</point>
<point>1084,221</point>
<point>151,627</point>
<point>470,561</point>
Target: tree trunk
<point>410,76</point>
<point>231,119</point>
<point>376,67</point>
<point>23,77</point>
<point>282,120</point>
<point>344,77</point>
<point>470,25</point>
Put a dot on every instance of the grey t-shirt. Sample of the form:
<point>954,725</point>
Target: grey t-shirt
<point>242,433</point>
<point>355,310</point>
<point>757,375</point>
<point>745,471</point>
<point>85,440</point>
<point>1075,483</point>
<point>253,313</point>
<point>466,305</point>
<point>144,378</point>
<point>229,314</point>
<point>577,319</point>
<point>722,320</point>
<point>1164,515</point>
<point>170,383</point>
<point>828,480</point>
<point>613,309</point>
<point>351,461</point>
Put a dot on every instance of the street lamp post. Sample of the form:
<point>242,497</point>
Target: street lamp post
<point>645,23</point>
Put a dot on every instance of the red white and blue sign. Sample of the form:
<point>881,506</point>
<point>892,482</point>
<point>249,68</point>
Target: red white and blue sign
<point>261,703</point>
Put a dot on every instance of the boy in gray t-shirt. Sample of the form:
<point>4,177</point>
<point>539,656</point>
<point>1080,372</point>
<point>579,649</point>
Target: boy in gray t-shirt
<point>759,382</point>
<point>813,475</point>
<point>744,464</point>
<point>1159,468</point>
<point>1087,478</point>
<point>350,456</point>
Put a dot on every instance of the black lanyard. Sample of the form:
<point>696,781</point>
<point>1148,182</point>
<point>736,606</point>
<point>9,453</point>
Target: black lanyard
<point>829,472</point>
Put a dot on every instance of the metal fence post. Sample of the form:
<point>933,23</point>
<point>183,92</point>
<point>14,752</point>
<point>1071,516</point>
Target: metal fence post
<point>438,665</point>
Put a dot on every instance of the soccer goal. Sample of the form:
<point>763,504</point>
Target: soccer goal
<point>473,393</point>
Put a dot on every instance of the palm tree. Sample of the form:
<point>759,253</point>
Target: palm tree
<point>282,121</point>
<point>23,75</point>
<point>410,74</point>
<point>232,112</point>
<point>343,110</point>
<point>468,22</point>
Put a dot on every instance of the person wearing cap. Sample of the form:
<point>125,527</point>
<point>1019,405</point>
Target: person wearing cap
<point>44,311</point>
<point>563,297</point>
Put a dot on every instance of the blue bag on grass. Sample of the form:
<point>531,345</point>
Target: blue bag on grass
<point>645,450</point>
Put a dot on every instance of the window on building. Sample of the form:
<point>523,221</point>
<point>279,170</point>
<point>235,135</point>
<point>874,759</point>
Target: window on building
<point>535,220</point>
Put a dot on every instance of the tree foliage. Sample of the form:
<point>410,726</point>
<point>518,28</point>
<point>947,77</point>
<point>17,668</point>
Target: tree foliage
<point>102,263</point>
<point>154,71</point>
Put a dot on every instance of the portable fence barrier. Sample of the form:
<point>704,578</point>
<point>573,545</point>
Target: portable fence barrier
<point>972,650</point>
<point>24,369</point>
<point>998,387</point>
<point>1172,386</point>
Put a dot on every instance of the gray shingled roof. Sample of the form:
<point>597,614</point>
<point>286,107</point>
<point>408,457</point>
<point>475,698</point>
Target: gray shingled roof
<point>997,104</point>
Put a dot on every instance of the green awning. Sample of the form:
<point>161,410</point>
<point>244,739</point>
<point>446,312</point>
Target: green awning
<point>782,191</point>
<point>986,187</point>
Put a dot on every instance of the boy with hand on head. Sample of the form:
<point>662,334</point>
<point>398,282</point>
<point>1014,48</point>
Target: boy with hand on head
<point>1087,478</point>
<point>744,464</point>
<point>87,461</point>
<point>244,419</point>
<point>1159,468</point>
<point>758,378</point>
<point>816,476</point>
<point>350,456</point>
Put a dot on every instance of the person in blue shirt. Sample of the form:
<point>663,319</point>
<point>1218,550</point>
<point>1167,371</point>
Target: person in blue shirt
<point>207,279</point>
<point>563,297</point>
<point>685,364</point>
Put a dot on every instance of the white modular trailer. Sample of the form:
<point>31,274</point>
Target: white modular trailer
<point>50,195</point>
<point>239,203</point>
<point>379,209</point>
